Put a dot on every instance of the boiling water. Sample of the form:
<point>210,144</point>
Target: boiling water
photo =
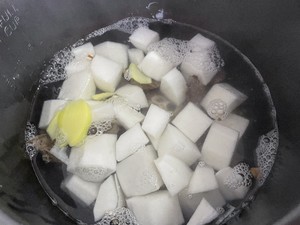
<point>257,147</point>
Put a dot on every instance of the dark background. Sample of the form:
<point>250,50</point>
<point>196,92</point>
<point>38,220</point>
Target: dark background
<point>268,32</point>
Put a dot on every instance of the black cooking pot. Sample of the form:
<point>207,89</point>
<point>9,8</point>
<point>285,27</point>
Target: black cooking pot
<point>268,32</point>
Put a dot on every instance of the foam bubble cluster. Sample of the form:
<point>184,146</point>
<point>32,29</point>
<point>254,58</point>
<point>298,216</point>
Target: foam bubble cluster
<point>208,61</point>
<point>266,153</point>
<point>30,133</point>
<point>121,216</point>
<point>240,176</point>
<point>171,49</point>
<point>55,71</point>
<point>91,174</point>
<point>99,127</point>
<point>127,25</point>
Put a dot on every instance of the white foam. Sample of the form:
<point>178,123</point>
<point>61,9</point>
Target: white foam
<point>117,217</point>
<point>171,49</point>
<point>266,153</point>
<point>240,170</point>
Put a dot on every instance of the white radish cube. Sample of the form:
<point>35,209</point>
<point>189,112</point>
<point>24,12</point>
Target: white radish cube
<point>189,202</point>
<point>114,51</point>
<point>107,198</point>
<point>107,73</point>
<point>78,86</point>
<point>203,180</point>
<point>127,116</point>
<point>221,100</point>
<point>201,43</point>
<point>83,51</point>
<point>155,121</point>
<point>219,146</point>
<point>77,65</point>
<point>236,122</point>
<point>173,86</point>
<point>204,214</point>
<point>102,111</point>
<point>156,208</point>
<point>60,153</point>
<point>121,196</point>
<point>75,156</point>
<point>137,174</point>
<point>142,37</point>
<point>134,95</point>
<point>192,121</point>
<point>130,141</point>
<point>227,176</point>
<point>175,143</point>
<point>136,56</point>
<point>98,160</point>
<point>50,107</point>
<point>174,172</point>
<point>84,191</point>
<point>154,66</point>
<point>199,64</point>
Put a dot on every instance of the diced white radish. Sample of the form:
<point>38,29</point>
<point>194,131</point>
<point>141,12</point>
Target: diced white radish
<point>231,193</point>
<point>130,141</point>
<point>102,111</point>
<point>189,202</point>
<point>173,86</point>
<point>236,122</point>
<point>142,37</point>
<point>136,56</point>
<point>84,51</point>
<point>204,214</point>
<point>50,107</point>
<point>154,66</point>
<point>203,180</point>
<point>192,121</point>
<point>156,208</point>
<point>86,192</point>
<point>107,198</point>
<point>60,153</point>
<point>221,100</point>
<point>137,174</point>
<point>127,116</point>
<point>107,73</point>
<point>219,146</point>
<point>77,65</point>
<point>114,51</point>
<point>134,95</point>
<point>154,141</point>
<point>201,43</point>
<point>174,172</point>
<point>121,197</point>
<point>98,160</point>
<point>175,143</point>
<point>199,64</point>
<point>74,158</point>
<point>155,121</point>
<point>78,86</point>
